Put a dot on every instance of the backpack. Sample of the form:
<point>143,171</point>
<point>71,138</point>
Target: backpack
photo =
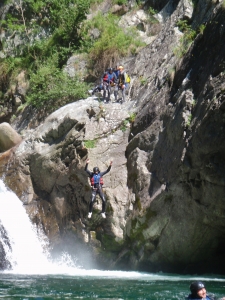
<point>127,79</point>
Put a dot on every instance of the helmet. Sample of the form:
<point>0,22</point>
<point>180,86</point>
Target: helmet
<point>110,69</point>
<point>120,68</point>
<point>196,286</point>
<point>96,169</point>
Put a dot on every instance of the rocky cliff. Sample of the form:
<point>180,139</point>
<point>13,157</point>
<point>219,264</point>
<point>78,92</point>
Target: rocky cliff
<point>165,192</point>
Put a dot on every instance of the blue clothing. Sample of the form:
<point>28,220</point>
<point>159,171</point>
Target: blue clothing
<point>117,72</point>
<point>191,297</point>
<point>112,77</point>
<point>109,77</point>
<point>100,174</point>
<point>96,178</point>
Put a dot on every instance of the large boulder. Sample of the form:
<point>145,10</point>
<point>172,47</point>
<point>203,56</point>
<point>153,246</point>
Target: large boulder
<point>8,137</point>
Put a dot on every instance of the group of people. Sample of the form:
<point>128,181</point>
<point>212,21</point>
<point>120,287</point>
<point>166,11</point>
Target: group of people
<point>113,79</point>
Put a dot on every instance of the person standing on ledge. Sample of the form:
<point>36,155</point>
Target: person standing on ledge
<point>198,291</point>
<point>96,184</point>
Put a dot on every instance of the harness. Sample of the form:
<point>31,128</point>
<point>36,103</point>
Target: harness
<point>96,179</point>
<point>121,79</point>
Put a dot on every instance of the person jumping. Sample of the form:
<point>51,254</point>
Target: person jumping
<point>96,184</point>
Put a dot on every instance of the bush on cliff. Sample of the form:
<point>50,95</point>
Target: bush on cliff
<point>51,32</point>
<point>113,43</point>
<point>53,88</point>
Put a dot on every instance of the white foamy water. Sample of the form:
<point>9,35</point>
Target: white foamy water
<point>26,251</point>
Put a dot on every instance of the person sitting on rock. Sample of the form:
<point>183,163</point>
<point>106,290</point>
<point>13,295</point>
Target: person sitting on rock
<point>96,184</point>
<point>198,291</point>
<point>108,81</point>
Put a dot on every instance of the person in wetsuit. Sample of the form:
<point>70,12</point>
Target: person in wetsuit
<point>96,183</point>
<point>198,291</point>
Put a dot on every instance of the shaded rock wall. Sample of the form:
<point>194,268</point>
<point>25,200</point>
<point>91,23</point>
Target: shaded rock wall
<point>180,210</point>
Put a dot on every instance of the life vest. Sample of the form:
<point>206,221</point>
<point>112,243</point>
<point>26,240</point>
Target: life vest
<point>96,179</point>
<point>105,77</point>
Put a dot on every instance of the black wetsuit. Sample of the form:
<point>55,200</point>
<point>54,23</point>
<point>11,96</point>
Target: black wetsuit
<point>97,189</point>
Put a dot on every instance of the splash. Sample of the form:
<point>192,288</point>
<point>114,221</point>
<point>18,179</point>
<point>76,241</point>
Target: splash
<point>25,251</point>
<point>25,247</point>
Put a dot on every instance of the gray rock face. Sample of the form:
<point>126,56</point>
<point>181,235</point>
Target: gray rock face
<point>76,66</point>
<point>50,167</point>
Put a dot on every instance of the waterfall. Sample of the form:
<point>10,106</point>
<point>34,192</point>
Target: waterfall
<point>20,243</point>
<point>24,250</point>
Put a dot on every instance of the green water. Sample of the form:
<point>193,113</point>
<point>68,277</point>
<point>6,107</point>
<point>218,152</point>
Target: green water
<point>139,287</point>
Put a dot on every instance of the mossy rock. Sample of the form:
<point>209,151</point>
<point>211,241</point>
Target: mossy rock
<point>109,243</point>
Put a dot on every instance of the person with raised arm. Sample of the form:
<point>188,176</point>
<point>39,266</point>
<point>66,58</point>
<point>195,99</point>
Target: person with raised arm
<point>96,184</point>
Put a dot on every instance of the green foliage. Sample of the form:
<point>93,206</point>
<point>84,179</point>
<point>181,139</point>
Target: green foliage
<point>64,15</point>
<point>62,18</point>
<point>143,80</point>
<point>151,12</point>
<point>44,58</point>
<point>110,243</point>
<point>183,25</point>
<point>189,120</point>
<point>194,102</point>
<point>93,2</point>
<point>9,69</point>
<point>13,23</point>
<point>22,107</point>
<point>59,25</point>
<point>51,87</point>
<point>90,144</point>
<point>188,31</point>
<point>201,28</point>
<point>186,40</point>
<point>113,43</point>
<point>132,117</point>
<point>124,125</point>
<point>127,121</point>
<point>120,2</point>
